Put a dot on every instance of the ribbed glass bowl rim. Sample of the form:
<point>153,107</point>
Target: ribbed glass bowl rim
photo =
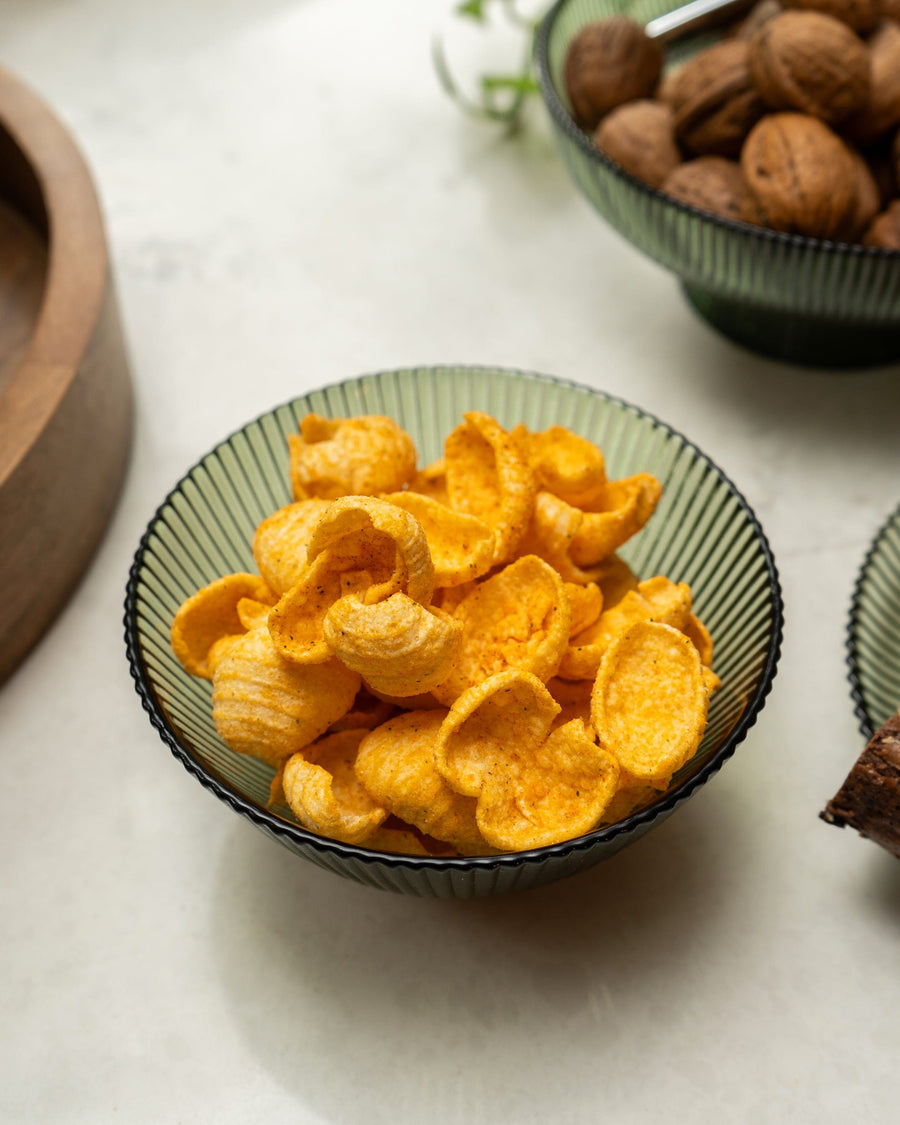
<point>867,724</point>
<point>299,836</point>
<point>562,119</point>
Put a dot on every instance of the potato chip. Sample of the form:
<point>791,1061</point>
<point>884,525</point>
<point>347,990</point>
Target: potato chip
<point>519,618</point>
<point>212,614</point>
<point>487,478</point>
<point>280,542</point>
<point>252,613</point>
<point>297,622</point>
<point>400,841</point>
<point>649,701</point>
<point>397,767</point>
<point>432,481</point>
<point>399,646</point>
<point>461,546</point>
<point>324,793</point>
<point>507,713</point>
<point>574,699</point>
<point>333,457</point>
<point>699,635</point>
<point>367,713</point>
<point>625,507</point>
<point>627,800</point>
<point>557,791</point>
<point>267,707</point>
<point>553,526</point>
<point>569,466</point>
<point>586,603</point>
<point>421,701</point>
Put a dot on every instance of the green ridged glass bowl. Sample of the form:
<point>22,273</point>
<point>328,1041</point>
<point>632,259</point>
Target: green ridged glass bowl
<point>794,298</point>
<point>703,533</point>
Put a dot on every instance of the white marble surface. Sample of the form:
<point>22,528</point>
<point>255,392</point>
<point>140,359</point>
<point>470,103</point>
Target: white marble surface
<point>291,199</point>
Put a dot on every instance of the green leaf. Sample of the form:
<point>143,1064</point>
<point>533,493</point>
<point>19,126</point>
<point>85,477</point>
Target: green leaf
<point>474,9</point>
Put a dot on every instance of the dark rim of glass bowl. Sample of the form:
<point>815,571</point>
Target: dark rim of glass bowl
<point>563,120</point>
<point>299,835</point>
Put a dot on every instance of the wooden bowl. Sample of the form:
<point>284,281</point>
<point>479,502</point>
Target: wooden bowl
<point>65,391</point>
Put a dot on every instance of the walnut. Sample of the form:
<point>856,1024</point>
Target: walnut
<point>641,137</point>
<point>713,99</point>
<point>802,175</point>
<point>759,14</point>
<point>885,229</point>
<point>810,62</point>
<point>882,111</point>
<point>714,183</point>
<point>868,201</point>
<point>861,15</point>
<point>610,62</point>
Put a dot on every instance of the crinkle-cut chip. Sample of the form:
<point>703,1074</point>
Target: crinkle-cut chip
<point>333,457</point>
<point>574,697</point>
<point>280,542</point>
<point>519,618</point>
<point>252,613</point>
<point>655,599</point>
<point>324,793</point>
<point>488,478</point>
<point>649,701</point>
<point>423,701</point>
<point>211,614</point>
<point>374,535</point>
<point>700,637</point>
<point>508,713</point>
<point>432,481</point>
<point>367,712</point>
<point>586,603</point>
<point>624,509</point>
<point>267,707</point>
<point>399,646</point>
<point>461,546</point>
<point>569,466</point>
<point>297,622</point>
<point>396,764</point>
<point>555,792</point>
<point>553,525</point>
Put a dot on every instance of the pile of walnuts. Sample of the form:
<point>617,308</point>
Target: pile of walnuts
<point>792,121</point>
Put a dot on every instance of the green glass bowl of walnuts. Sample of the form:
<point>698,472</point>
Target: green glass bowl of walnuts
<point>758,160</point>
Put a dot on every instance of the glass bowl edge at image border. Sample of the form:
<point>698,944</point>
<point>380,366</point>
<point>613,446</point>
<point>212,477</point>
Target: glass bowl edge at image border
<point>300,840</point>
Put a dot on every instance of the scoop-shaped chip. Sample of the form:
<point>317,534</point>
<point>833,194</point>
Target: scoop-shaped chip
<point>554,524</point>
<point>509,713</point>
<point>621,512</point>
<point>432,481</point>
<point>399,646</point>
<point>586,603</point>
<point>396,764</point>
<point>518,618</point>
<point>211,615</point>
<point>297,622</point>
<point>487,477</point>
<point>333,457</point>
<point>324,793</point>
<point>368,532</point>
<point>649,702</point>
<point>402,841</point>
<point>267,707</point>
<point>569,466</point>
<point>557,791</point>
<point>461,546</point>
<point>280,542</point>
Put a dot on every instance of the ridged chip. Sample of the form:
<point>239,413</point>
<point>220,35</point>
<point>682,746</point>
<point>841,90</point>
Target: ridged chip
<point>333,457</point>
<point>324,793</point>
<point>649,702</point>
<point>211,615</point>
<point>399,646</point>
<point>461,546</point>
<point>267,707</point>
<point>280,542</point>
<point>297,622</point>
<point>624,508</point>
<point>569,466</point>
<point>488,478</point>
<point>518,618</point>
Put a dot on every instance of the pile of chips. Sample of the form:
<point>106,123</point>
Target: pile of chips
<point>452,660</point>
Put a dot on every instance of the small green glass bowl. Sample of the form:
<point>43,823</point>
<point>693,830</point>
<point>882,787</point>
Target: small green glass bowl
<point>873,631</point>
<point>803,300</point>
<point>703,533</point>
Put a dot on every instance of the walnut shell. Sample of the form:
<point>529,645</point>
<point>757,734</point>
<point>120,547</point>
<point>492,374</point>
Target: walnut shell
<point>803,176</point>
<point>882,111</point>
<point>713,99</point>
<point>759,14</point>
<point>610,62</point>
<point>641,137</point>
<point>811,62</point>
<point>714,183</point>
<point>868,201</point>
<point>861,15</point>
<point>885,229</point>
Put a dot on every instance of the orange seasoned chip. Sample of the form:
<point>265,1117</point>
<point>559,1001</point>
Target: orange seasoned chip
<point>488,478</point>
<point>649,701</point>
<point>574,697</point>
<point>624,508</point>
<point>280,542</point>
<point>554,524</point>
<point>569,466</point>
<point>396,764</point>
<point>699,635</point>
<point>367,712</point>
<point>252,613</point>
<point>399,646</point>
<point>432,481</point>
<point>267,707</point>
<point>401,841</point>
<point>211,615</point>
<point>297,622</point>
<point>519,618</point>
<point>461,546</point>
<point>324,793</point>
<point>586,603</point>
<point>333,457</point>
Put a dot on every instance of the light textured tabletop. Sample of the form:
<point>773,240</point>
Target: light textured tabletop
<point>291,199</point>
